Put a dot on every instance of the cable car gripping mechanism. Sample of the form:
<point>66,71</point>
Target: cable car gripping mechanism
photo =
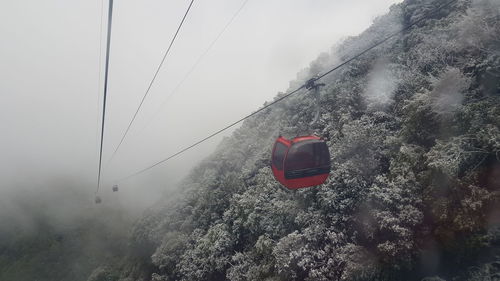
<point>312,85</point>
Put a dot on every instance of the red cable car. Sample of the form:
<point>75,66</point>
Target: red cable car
<point>300,162</point>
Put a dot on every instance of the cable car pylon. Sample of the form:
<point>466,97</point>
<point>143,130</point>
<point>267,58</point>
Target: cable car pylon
<point>311,85</point>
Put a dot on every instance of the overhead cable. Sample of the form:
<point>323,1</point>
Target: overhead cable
<point>152,80</point>
<point>439,8</point>
<point>106,71</point>
<point>198,61</point>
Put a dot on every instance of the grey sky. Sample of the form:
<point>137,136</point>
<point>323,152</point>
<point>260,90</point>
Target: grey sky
<point>49,55</point>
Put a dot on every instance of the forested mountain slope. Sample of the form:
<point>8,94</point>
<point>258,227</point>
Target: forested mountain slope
<point>413,131</point>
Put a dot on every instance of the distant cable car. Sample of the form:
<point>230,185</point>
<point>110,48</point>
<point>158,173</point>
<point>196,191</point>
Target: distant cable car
<point>300,162</point>
<point>115,188</point>
<point>98,200</point>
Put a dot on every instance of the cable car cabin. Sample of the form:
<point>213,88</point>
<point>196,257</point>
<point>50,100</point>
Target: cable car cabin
<point>98,200</point>
<point>115,188</point>
<point>300,162</point>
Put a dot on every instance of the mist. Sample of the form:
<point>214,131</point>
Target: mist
<point>52,59</point>
<point>51,90</point>
<point>411,127</point>
<point>382,83</point>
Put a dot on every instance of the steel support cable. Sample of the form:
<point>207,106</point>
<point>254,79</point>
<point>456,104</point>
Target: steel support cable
<point>99,79</point>
<point>198,61</point>
<point>292,92</point>
<point>106,71</point>
<point>213,134</point>
<point>152,80</point>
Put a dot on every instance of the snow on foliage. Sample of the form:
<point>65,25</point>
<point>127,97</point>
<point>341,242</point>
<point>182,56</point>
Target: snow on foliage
<point>418,168</point>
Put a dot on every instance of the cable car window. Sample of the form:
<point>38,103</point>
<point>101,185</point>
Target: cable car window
<point>307,155</point>
<point>279,154</point>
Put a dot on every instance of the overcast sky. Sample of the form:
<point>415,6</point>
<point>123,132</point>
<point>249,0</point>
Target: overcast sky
<point>50,93</point>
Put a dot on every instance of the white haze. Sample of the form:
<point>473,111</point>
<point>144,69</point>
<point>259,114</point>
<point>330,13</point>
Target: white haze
<point>382,83</point>
<point>448,90</point>
<point>49,109</point>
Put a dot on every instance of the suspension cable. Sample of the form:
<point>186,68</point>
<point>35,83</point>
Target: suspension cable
<point>152,81</point>
<point>99,79</point>
<point>106,71</point>
<point>439,8</point>
<point>198,61</point>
